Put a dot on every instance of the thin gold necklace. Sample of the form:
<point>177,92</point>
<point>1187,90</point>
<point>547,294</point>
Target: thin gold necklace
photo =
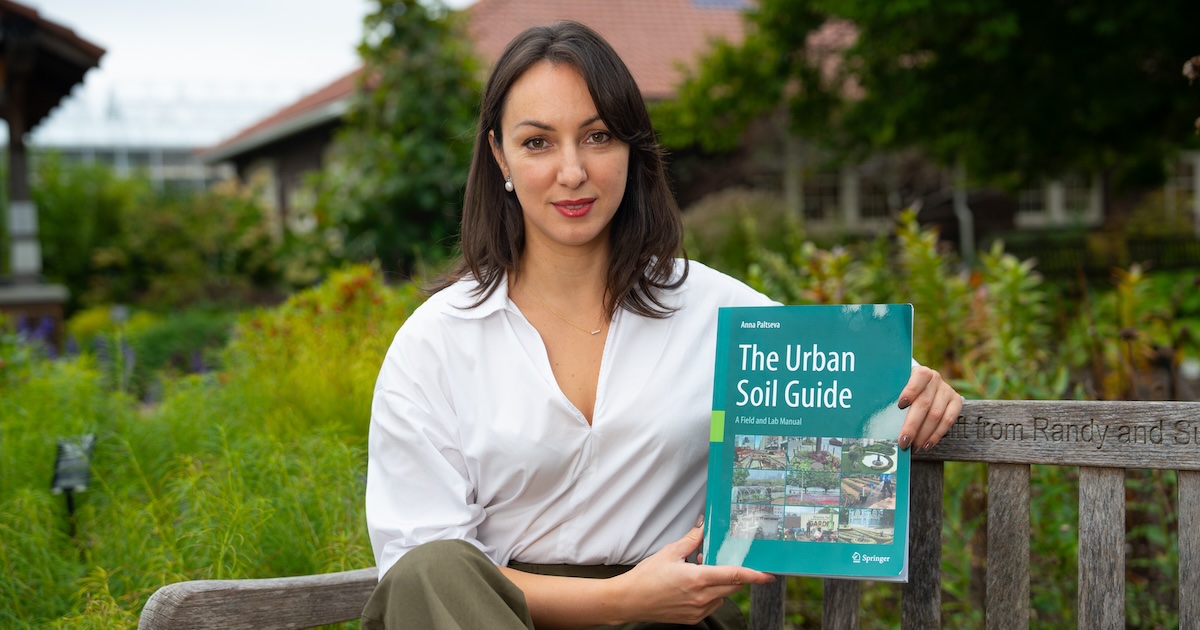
<point>559,315</point>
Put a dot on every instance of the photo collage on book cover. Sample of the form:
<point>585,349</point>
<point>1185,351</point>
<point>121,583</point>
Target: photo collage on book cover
<point>813,489</point>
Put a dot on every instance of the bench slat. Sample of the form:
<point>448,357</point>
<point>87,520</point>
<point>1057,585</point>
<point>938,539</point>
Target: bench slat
<point>274,603</point>
<point>1101,437</point>
<point>921,597</point>
<point>1189,549</point>
<point>766,605</point>
<point>840,603</point>
<point>1007,606</point>
<point>1107,434</point>
<point>1102,548</point>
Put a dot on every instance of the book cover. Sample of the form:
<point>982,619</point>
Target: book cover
<point>805,475</point>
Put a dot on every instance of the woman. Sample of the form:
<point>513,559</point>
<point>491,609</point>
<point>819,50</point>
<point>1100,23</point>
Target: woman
<point>539,430</point>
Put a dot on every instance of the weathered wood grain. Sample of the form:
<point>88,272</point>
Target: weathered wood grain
<point>921,597</point>
<point>1189,549</point>
<point>1164,435</point>
<point>766,605</point>
<point>267,604</point>
<point>1102,548</point>
<point>1007,606</point>
<point>840,603</point>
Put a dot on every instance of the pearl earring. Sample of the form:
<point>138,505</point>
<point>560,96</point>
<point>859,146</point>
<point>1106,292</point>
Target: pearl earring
<point>508,185</point>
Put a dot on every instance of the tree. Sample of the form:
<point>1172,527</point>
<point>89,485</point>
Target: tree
<point>1017,90</point>
<point>397,168</point>
<point>795,478</point>
<point>773,71</point>
<point>771,74</point>
<point>740,476</point>
<point>826,481</point>
<point>1012,90</point>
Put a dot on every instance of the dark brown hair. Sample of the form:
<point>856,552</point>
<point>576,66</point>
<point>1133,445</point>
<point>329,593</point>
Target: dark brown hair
<point>646,233</point>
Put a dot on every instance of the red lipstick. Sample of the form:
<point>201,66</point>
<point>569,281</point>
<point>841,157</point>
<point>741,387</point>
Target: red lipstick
<point>574,208</point>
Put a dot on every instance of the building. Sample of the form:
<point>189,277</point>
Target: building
<point>654,38</point>
<point>155,129</point>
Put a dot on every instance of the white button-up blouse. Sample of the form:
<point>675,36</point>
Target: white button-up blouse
<point>472,439</point>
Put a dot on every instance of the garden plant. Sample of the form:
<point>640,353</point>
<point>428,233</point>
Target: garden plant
<point>254,467</point>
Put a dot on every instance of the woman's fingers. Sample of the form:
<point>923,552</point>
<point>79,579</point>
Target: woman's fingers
<point>932,406</point>
<point>667,588</point>
<point>943,411</point>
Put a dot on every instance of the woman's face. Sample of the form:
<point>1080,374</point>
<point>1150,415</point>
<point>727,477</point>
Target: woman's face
<point>568,170</point>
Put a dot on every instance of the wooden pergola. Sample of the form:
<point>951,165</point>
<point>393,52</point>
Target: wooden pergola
<point>40,63</point>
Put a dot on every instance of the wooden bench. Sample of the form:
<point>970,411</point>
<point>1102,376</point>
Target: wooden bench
<point>1101,438</point>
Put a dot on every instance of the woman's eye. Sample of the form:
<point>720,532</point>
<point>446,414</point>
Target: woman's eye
<point>535,143</point>
<point>599,137</point>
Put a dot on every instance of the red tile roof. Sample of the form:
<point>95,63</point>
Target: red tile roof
<point>324,104</point>
<point>654,37</point>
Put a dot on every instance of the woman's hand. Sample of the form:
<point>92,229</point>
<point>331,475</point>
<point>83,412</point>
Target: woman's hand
<point>932,405</point>
<point>666,588</point>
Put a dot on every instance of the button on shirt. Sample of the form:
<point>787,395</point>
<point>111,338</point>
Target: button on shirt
<point>472,439</point>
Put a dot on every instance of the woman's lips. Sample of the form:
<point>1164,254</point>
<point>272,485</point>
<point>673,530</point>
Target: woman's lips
<point>574,208</point>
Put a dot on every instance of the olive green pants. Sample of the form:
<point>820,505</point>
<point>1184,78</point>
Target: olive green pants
<point>451,585</point>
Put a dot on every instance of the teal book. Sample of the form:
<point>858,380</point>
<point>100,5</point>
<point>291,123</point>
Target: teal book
<point>805,474</point>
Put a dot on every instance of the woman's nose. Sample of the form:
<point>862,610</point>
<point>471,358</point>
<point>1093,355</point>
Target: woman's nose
<point>571,173</point>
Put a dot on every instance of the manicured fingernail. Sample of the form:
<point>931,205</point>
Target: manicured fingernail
<point>904,403</point>
<point>700,521</point>
<point>928,445</point>
<point>904,441</point>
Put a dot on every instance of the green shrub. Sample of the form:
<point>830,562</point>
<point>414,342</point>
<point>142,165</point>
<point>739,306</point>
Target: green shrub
<point>82,208</point>
<point>255,470</point>
<point>89,324</point>
<point>17,358</point>
<point>182,343</point>
<point>1001,331</point>
<point>331,340</point>
<point>138,354</point>
<point>116,240</point>
<point>183,249</point>
<point>722,228</point>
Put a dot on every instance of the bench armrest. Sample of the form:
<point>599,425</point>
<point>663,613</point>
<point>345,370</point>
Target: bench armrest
<point>289,602</point>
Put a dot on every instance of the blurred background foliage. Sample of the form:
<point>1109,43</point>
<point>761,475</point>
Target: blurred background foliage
<point>394,179</point>
<point>226,365</point>
<point>252,469</point>
<point>1008,90</point>
<point>114,239</point>
<point>255,466</point>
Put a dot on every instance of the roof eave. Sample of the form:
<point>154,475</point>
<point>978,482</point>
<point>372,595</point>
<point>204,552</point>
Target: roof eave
<point>332,110</point>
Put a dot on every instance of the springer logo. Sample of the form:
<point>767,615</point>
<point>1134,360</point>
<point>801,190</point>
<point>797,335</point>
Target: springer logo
<point>858,558</point>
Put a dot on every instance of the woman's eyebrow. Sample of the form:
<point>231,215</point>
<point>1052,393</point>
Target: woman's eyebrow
<point>533,123</point>
<point>547,127</point>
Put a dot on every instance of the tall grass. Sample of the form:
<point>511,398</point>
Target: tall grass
<point>40,564</point>
<point>253,471</point>
<point>257,469</point>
